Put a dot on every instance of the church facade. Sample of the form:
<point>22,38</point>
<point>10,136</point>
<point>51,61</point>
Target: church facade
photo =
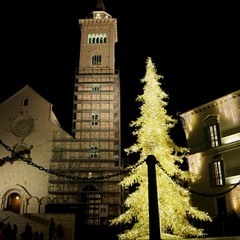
<point>27,123</point>
<point>47,170</point>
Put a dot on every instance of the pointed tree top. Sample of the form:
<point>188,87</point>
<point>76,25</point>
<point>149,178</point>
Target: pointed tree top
<point>100,6</point>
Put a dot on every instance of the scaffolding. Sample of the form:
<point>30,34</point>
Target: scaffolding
<point>92,155</point>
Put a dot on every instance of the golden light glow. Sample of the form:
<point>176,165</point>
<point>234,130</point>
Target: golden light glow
<point>195,163</point>
<point>233,179</point>
<point>235,198</point>
<point>229,108</point>
<point>152,132</point>
<point>188,121</point>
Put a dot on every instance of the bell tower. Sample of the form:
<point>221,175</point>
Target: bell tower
<point>96,118</point>
<point>92,155</point>
<point>97,45</point>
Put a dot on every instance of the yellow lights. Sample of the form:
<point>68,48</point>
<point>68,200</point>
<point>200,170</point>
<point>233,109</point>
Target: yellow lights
<point>90,175</point>
<point>98,16</point>
<point>235,198</point>
<point>226,108</point>
<point>187,123</point>
<point>152,132</point>
<point>229,107</point>
<point>233,180</point>
<point>195,163</point>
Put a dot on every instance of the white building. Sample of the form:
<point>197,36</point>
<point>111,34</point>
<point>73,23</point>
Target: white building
<point>213,137</point>
<point>27,123</point>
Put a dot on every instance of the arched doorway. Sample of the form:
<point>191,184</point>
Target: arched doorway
<point>14,203</point>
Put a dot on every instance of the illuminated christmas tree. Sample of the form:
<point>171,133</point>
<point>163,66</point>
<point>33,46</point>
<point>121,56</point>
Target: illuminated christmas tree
<point>152,131</point>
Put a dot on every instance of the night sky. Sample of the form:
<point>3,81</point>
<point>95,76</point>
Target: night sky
<point>194,44</point>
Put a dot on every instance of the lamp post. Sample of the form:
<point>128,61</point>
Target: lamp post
<point>154,226</point>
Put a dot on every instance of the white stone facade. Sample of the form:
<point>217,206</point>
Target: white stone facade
<point>26,122</point>
<point>213,138</point>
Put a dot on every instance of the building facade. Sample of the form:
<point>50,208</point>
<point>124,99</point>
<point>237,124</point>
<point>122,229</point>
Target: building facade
<point>213,137</point>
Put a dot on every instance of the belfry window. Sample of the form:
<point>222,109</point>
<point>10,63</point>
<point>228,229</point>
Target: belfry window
<point>97,38</point>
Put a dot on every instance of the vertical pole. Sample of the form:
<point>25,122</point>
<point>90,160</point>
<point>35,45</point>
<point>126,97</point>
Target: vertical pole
<point>154,226</point>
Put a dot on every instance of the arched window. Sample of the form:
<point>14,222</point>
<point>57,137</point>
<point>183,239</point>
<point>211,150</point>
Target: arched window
<point>25,102</point>
<point>97,38</point>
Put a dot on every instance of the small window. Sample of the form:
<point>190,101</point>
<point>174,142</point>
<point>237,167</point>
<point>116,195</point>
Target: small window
<point>94,152</point>
<point>212,127</point>
<point>217,173</point>
<point>25,102</point>
<point>213,136</point>
<point>93,155</point>
<point>95,87</point>
<point>96,59</point>
<point>95,117</point>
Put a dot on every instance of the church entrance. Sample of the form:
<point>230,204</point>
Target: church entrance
<point>14,203</point>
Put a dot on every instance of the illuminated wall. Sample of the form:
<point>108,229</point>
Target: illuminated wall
<point>213,137</point>
<point>27,123</point>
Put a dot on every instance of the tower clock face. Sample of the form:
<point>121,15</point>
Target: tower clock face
<point>22,126</point>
